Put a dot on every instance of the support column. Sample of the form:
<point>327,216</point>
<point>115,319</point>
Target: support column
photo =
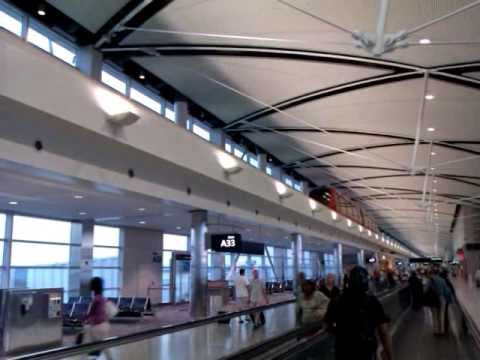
<point>297,252</point>
<point>81,257</point>
<point>198,264</point>
<point>339,258</point>
<point>181,112</point>
<point>7,251</point>
<point>90,62</point>
<point>361,257</point>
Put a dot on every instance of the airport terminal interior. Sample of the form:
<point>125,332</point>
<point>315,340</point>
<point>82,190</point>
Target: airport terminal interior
<point>240,179</point>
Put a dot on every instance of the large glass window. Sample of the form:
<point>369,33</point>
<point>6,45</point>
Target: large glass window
<point>114,80</point>
<point>170,112</point>
<point>10,21</point>
<point>3,220</point>
<point>140,96</point>
<point>40,254</point>
<point>175,242</point>
<point>42,230</point>
<point>51,43</point>
<point>201,131</point>
<point>107,257</point>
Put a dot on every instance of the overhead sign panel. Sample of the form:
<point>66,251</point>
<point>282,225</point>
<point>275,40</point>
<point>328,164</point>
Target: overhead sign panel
<point>226,243</point>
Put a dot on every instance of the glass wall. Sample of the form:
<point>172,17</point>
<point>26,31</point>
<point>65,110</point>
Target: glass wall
<point>171,243</point>
<point>107,259</point>
<point>40,253</point>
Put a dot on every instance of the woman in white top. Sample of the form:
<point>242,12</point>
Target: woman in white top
<point>258,296</point>
<point>312,305</point>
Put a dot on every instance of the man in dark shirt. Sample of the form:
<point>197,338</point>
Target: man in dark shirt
<point>356,317</point>
<point>328,288</point>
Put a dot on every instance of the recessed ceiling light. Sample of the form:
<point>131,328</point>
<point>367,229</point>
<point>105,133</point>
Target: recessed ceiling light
<point>434,190</point>
<point>179,228</point>
<point>141,209</point>
<point>13,202</point>
<point>431,129</point>
<point>429,97</point>
<point>141,76</point>
<point>433,153</point>
<point>82,213</point>
<point>425,41</point>
<point>432,168</point>
<point>142,222</point>
<point>41,10</point>
<point>78,197</point>
<point>435,181</point>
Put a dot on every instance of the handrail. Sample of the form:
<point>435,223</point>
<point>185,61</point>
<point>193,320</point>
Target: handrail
<point>68,351</point>
<point>257,349</point>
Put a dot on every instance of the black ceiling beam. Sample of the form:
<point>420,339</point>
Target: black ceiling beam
<point>295,164</point>
<point>439,176</point>
<point>116,19</point>
<point>145,14</point>
<point>190,50</point>
<point>326,92</point>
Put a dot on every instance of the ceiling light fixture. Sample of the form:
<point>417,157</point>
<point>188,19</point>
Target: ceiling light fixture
<point>432,168</point>
<point>431,129</point>
<point>78,197</point>
<point>41,10</point>
<point>13,202</point>
<point>82,213</point>
<point>434,190</point>
<point>313,204</point>
<point>142,222</point>
<point>369,233</point>
<point>376,236</point>
<point>349,223</point>
<point>435,181</point>
<point>282,190</point>
<point>360,228</point>
<point>425,41</point>
<point>334,215</point>
<point>141,76</point>
<point>429,97</point>
<point>433,153</point>
<point>179,228</point>
<point>141,209</point>
<point>228,163</point>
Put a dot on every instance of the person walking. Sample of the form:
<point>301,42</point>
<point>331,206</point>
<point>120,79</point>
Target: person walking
<point>356,318</point>
<point>311,307</point>
<point>97,325</point>
<point>416,289</point>
<point>328,288</point>
<point>437,297</point>
<point>241,292</point>
<point>258,297</point>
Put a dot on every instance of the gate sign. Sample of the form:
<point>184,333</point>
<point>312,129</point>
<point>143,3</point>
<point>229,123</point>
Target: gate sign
<point>226,242</point>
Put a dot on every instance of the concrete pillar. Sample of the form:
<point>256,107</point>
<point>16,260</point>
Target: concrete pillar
<point>82,257</point>
<point>198,264</point>
<point>297,252</point>
<point>90,62</point>
<point>339,258</point>
<point>7,251</point>
<point>361,257</point>
<point>181,112</point>
<point>262,162</point>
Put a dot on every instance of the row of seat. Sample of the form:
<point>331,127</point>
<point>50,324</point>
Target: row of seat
<point>278,286</point>
<point>76,310</point>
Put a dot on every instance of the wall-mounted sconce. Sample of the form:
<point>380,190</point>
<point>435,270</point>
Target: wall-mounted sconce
<point>314,206</point>
<point>282,190</point>
<point>228,163</point>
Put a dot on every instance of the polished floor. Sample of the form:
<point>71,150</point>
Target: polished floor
<point>414,339</point>
<point>208,342</point>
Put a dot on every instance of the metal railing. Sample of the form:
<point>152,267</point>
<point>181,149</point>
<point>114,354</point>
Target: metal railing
<point>396,301</point>
<point>69,351</point>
